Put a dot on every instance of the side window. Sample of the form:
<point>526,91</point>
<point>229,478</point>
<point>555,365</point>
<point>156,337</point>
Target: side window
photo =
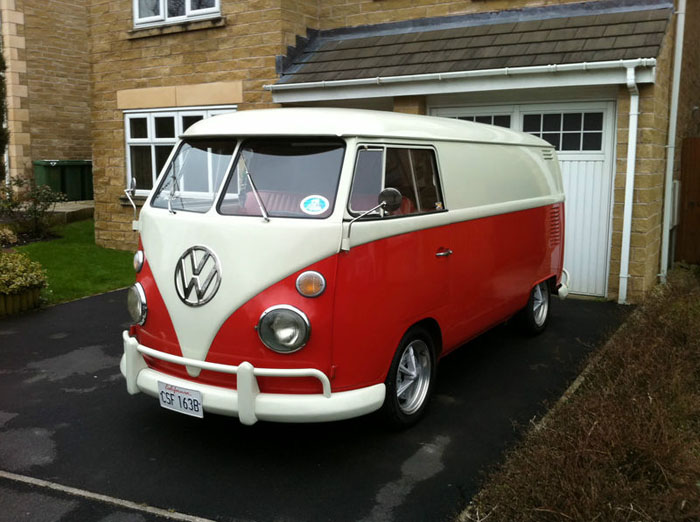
<point>367,183</point>
<point>427,183</point>
<point>413,172</point>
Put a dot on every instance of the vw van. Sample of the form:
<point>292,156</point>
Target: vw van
<point>314,264</point>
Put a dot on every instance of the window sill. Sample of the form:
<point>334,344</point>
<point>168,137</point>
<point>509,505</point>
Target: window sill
<point>179,27</point>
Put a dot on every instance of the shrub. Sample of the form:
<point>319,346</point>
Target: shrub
<point>626,445</point>
<point>19,273</point>
<point>7,237</point>
<point>28,205</point>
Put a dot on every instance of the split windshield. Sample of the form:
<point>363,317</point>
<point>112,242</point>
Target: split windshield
<point>280,177</point>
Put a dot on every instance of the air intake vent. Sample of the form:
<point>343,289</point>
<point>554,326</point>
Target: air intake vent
<point>555,225</point>
<point>548,154</point>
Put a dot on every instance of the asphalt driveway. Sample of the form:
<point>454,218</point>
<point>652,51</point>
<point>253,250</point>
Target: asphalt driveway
<point>69,430</point>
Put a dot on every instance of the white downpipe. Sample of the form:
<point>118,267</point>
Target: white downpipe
<point>671,146</point>
<point>504,71</point>
<point>629,184</point>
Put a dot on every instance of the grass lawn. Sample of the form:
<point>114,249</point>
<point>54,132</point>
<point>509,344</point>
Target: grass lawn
<point>76,267</point>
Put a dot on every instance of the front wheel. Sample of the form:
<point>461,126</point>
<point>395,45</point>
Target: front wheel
<point>409,383</point>
<point>535,315</point>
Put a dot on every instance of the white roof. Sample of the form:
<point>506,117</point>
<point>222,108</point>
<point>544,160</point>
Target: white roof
<point>317,121</point>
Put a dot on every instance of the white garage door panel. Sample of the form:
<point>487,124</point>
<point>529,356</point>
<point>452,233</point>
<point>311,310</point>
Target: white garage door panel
<point>587,190</point>
<point>586,171</point>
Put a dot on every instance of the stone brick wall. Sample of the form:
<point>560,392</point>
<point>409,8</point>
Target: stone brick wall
<point>14,50</point>
<point>58,79</point>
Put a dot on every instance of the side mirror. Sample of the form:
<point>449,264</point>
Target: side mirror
<point>130,196</point>
<point>390,199</point>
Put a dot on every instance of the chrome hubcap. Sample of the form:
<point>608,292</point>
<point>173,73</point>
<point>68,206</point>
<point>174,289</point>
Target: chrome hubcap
<point>540,304</point>
<point>413,376</point>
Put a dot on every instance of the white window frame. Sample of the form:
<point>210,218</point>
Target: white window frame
<point>164,19</point>
<point>150,115</point>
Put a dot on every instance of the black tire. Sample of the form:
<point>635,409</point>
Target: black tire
<point>534,317</point>
<point>401,410</point>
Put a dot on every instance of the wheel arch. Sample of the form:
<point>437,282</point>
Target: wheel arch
<point>433,328</point>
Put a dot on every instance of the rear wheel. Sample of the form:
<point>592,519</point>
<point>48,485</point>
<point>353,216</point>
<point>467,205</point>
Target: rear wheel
<point>410,380</point>
<point>535,315</point>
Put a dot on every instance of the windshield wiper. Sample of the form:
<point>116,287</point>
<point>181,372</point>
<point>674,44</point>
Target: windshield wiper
<point>256,194</point>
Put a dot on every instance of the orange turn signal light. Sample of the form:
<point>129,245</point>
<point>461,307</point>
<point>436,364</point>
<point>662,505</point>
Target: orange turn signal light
<point>311,284</point>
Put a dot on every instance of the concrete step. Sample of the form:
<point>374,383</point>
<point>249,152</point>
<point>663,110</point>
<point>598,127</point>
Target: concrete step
<point>71,211</point>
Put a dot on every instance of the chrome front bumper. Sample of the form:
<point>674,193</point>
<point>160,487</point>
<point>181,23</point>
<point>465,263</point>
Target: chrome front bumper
<point>247,402</point>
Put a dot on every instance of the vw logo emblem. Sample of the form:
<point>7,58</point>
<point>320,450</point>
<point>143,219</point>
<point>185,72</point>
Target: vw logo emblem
<point>197,276</point>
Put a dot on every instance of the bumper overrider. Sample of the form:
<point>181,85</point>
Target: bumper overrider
<point>247,402</point>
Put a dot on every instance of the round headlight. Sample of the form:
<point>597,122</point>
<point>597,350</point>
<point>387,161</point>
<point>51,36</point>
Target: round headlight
<point>138,261</point>
<point>311,284</point>
<point>284,329</point>
<point>136,304</point>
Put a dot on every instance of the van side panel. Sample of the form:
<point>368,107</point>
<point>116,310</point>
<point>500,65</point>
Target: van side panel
<point>382,288</point>
<point>496,262</point>
<point>482,175</point>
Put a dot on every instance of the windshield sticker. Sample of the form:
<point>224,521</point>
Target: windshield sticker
<point>314,205</point>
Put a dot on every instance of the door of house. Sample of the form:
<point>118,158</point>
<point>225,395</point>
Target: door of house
<point>583,135</point>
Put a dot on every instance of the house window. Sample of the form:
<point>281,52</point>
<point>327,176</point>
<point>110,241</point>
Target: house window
<point>499,120</point>
<point>158,12</point>
<point>568,131</point>
<point>150,136</point>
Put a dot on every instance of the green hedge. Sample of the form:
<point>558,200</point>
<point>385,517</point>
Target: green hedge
<point>18,273</point>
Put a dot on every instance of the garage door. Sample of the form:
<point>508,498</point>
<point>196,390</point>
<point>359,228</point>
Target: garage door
<point>583,136</point>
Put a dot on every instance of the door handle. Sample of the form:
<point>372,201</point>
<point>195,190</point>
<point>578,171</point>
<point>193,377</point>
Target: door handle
<point>444,252</point>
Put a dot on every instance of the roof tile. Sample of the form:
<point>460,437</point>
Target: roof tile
<point>600,43</point>
<point>619,29</point>
<point>567,46</point>
<point>534,36</point>
<point>590,32</point>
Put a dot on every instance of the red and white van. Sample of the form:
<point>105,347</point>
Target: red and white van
<point>312,264</point>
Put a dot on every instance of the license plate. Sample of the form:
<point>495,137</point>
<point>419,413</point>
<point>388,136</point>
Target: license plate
<point>181,400</point>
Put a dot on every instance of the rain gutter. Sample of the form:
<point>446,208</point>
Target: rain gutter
<point>671,146</point>
<point>383,81</point>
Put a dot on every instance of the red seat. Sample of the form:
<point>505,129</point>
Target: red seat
<point>274,201</point>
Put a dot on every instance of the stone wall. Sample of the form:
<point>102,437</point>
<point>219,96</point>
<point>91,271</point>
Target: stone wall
<point>14,46</point>
<point>58,79</point>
